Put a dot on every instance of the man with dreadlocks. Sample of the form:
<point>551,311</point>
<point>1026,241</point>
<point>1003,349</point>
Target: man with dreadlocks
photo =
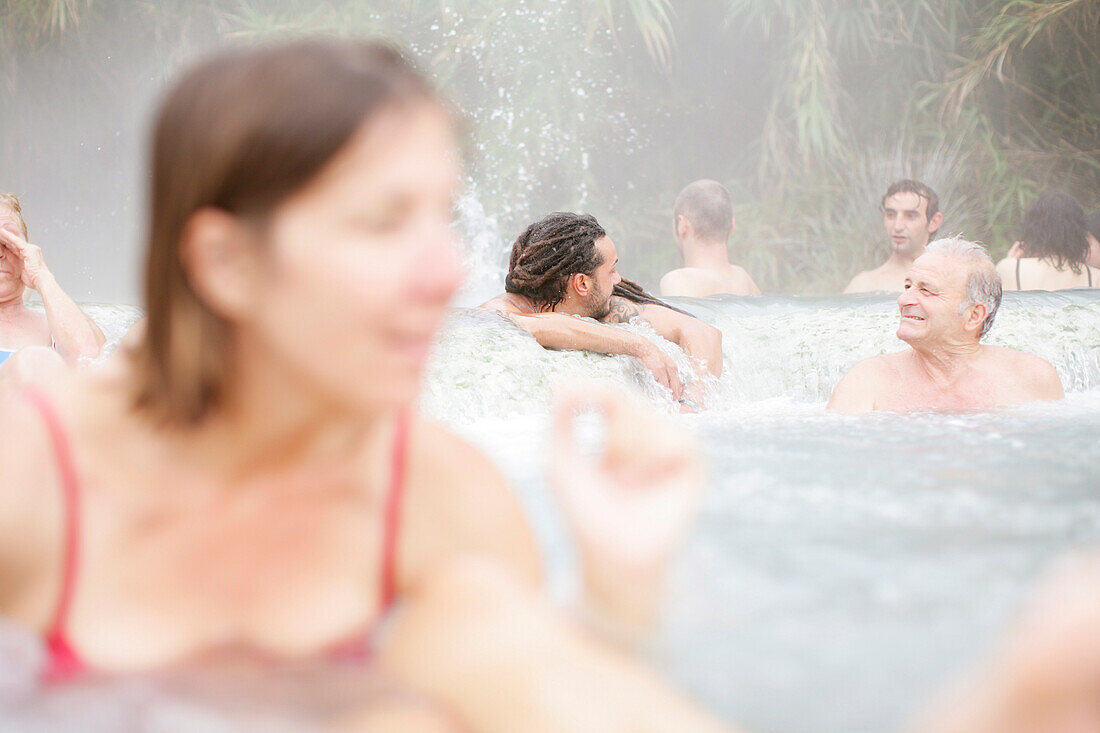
<point>565,265</point>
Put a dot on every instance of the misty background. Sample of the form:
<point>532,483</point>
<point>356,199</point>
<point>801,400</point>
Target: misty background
<point>805,109</point>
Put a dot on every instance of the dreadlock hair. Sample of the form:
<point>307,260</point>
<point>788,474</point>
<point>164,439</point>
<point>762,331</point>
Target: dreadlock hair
<point>548,252</point>
<point>633,291</point>
<point>556,246</point>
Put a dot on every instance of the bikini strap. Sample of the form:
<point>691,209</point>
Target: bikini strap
<point>70,489</point>
<point>392,518</point>
<point>1017,273</point>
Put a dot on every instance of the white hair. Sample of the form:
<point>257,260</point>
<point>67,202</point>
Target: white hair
<point>983,284</point>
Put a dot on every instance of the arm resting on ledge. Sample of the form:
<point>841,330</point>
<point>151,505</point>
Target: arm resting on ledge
<point>697,339</point>
<point>561,331</point>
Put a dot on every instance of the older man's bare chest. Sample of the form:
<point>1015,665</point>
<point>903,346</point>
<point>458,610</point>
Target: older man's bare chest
<point>907,387</point>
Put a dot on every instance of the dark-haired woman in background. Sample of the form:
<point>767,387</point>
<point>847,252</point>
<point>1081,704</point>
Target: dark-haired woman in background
<point>1053,250</point>
<point>1092,225</point>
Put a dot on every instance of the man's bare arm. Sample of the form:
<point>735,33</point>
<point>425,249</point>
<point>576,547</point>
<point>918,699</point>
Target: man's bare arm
<point>561,331</point>
<point>697,339</point>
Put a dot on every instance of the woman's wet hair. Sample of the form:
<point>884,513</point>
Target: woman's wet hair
<point>552,249</point>
<point>1092,224</point>
<point>12,202</point>
<point>1054,230</point>
<point>241,132</point>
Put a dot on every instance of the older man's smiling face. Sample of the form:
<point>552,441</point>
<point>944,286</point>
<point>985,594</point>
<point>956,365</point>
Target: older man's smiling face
<point>935,289</point>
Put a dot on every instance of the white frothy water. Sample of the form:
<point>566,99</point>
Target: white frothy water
<point>483,253</point>
<point>776,349</point>
<point>842,566</point>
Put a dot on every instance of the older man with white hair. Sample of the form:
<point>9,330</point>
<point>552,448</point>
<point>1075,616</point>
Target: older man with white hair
<point>951,295</point>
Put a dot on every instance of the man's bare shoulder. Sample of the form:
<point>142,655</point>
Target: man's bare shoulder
<point>872,281</point>
<point>1034,373</point>
<point>624,310</point>
<point>509,303</point>
<point>881,365</point>
<point>867,382</point>
<point>858,283</point>
<point>698,282</point>
<point>676,282</point>
<point>745,284</point>
<point>1003,356</point>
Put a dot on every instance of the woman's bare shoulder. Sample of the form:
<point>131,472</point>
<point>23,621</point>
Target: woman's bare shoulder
<point>459,494</point>
<point>433,446</point>
<point>30,508</point>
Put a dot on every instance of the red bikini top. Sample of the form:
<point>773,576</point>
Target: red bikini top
<point>64,661</point>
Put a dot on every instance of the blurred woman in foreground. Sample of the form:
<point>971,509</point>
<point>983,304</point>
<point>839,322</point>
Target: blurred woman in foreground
<point>252,477</point>
<point>1053,250</point>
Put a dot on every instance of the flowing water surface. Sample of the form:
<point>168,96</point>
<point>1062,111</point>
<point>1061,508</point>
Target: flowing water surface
<point>843,568</point>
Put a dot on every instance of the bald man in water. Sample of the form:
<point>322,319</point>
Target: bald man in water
<point>951,295</point>
<point>702,223</point>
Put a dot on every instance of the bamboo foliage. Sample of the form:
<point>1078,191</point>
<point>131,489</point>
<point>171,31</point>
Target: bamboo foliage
<point>588,105</point>
<point>652,18</point>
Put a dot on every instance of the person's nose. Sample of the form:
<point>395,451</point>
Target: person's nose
<point>906,298</point>
<point>616,279</point>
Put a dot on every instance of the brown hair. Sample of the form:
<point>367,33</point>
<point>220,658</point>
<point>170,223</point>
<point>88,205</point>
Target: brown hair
<point>709,208</point>
<point>908,185</point>
<point>12,202</point>
<point>1054,229</point>
<point>241,132</point>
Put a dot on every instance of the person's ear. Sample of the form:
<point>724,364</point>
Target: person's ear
<point>683,226</point>
<point>935,221</point>
<point>733,225</point>
<point>578,282</point>
<point>976,317</point>
<point>219,254</point>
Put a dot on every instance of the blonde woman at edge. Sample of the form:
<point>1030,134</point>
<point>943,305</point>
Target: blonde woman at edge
<point>35,346</point>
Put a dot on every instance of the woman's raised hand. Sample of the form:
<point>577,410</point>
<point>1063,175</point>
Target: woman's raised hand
<point>34,264</point>
<point>629,504</point>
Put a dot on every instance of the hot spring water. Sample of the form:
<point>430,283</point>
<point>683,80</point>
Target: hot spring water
<point>843,567</point>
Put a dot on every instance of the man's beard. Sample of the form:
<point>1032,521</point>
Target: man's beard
<point>909,248</point>
<point>598,304</point>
